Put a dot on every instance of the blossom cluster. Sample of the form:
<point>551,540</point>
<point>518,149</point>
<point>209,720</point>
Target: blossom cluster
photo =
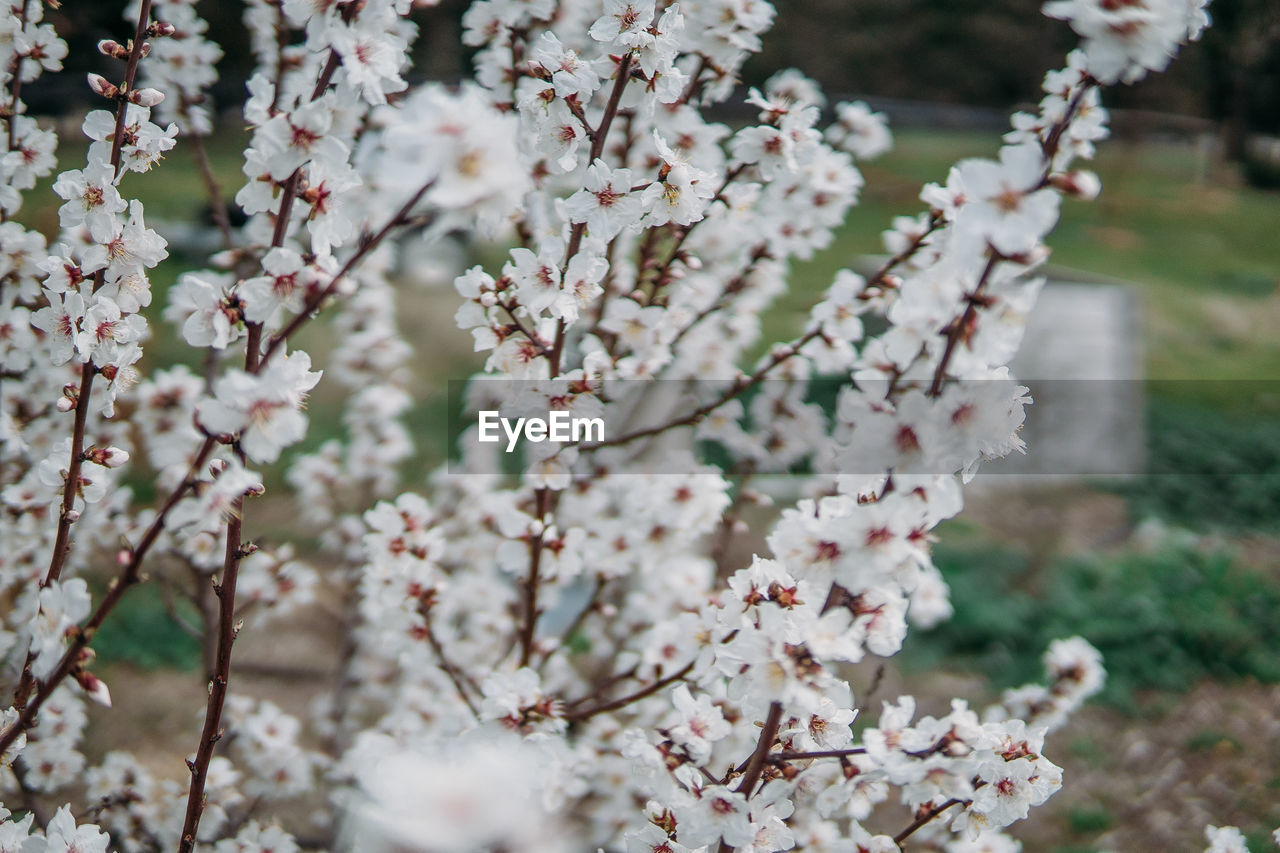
<point>579,641</point>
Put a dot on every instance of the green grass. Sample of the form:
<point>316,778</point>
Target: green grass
<point>1208,470</point>
<point>1163,621</point>
<point>142,632</point>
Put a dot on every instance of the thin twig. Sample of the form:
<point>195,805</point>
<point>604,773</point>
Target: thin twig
<point>577,716</point>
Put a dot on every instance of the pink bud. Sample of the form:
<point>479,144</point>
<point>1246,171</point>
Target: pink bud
<point>124,556</point>
<point>114,49</point>
<point>102,86</point>
<point>95,687</point>
<point>161,29</point>
<point>1081,184</point>
<point>146,97</point>
<point>66,404</point>
<point>72,516</point>
<point>112,457</point>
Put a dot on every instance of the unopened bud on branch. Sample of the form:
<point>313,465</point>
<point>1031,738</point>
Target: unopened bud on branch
<point>112,48</point>
<point>102,86</point>
<point>108,457</point>
<point>1079,184</point>
<point>146,97</point>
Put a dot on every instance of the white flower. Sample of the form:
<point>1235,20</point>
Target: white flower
<point>63,836</point>
<point>717,813</point>
<point>570,75</point>
<point>625,23</point>
<point>859,131</point>
<point>536,277</point>
<point>284,285</point>
<point>92,199</point>
<point>105,332</point>
<point>371,60</point>
<point>701,723</point>
<point>605,203</point>
<point>264,409</point>
<point>209,317</point>
<point>133,249</point>
<point>61,322</point>
<point>1007,204</point>
<point>63,606</point>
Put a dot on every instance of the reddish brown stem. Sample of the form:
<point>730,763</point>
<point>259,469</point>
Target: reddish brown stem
<point>755,766</point>
<point>624,701</point>
<point>923,818</point>
<point>217,204</point>
<point>227,630</point>
<point>961,327</point>
<point>759,758</point>
<point>529,622</point>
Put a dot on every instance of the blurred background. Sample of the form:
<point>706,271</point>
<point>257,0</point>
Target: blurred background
<point>1172,573</point>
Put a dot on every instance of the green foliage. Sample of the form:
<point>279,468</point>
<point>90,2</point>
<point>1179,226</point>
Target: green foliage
<point>1162,621</point>
<point>1208,739</point>
<point>1209,470</point>
<point>141,632</point>
<point>1089,821</point>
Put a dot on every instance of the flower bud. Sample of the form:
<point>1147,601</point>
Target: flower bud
<point>488,299</point>
<point>146,97</point>
<point>102,86</point>
<point>114,49</point>
<point>1081,184</point>
<point>66,403</point>
<point>95,687</point>
<point>72,516</point>
<point>160,29</point>
<point>107,457</point>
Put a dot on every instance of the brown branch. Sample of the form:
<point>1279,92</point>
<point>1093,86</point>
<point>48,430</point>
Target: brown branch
<point>759,758</point>
<point>962,326</point>
<point>227,631</point>
<point>459,678</point>
<point>649,690</point>
<point>217,204</point>
<point>755,766</point>
<point>779,757</point>
<point>530,618</point>
<point>129,575</point>
<point>366,246</point>
<point>924,817</point>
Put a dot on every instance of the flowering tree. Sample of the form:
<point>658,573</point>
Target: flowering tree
<point>569,658</point>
